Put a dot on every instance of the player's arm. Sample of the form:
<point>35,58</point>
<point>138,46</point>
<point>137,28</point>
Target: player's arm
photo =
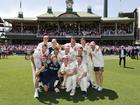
<point>61,72</point>
<point>40,70</point>
<point>90,55</point>
<point>32,60</point>
<point>97,48</point>
<point>71,72</point>
<point>84,74</point>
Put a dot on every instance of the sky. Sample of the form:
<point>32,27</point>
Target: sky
<point>33,8</point>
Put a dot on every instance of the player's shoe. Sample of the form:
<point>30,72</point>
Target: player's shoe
<point>95,87</point>
<point>84,94</point>
<point>100,89</point>
<point>36,94</point>
<point>56,90</point>
<point>72,93</point>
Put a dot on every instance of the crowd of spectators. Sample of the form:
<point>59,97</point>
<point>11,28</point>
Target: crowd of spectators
<point>6,50</point>
<point>30,29</point>
<point>108,31</point>
<point>72,30</point>
<point>24,49</point>
<point>132,51</point>
<point>112,31</point>
<point>51,30</point>
<point>16,29</point>
<point>25,29</point>
<point>90,30</point>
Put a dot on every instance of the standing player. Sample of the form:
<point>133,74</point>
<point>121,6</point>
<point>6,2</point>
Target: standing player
<point>54,45</point>
<point>45,41</point>
<point>98,61</point>
<point>58,54</point>
<point>37,66</point>
<point>73,47</point>
<point>86,50</point>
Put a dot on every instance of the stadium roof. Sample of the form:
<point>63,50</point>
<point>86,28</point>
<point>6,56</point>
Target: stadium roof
<point>75,16</point>
<point>1,20</point>
<point>26,19</point>
<point>54,14</point>
<point>86,14</point>
<point>57,14</point>
<point>110,19</point>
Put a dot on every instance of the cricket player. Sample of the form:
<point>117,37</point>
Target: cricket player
<point>45,41</point>
<point>82,75</point>
<point>38,66</point>
<point>88,59</point>
<point>50,76</point>
<point>73,48</point>
<point>98,62</point>
<point>69,70</point>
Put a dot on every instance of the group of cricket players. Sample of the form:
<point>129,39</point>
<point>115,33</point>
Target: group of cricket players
<point>56,67</point>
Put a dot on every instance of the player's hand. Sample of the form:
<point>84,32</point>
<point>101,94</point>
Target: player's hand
<point>78,79</point>
<point>37,73</point>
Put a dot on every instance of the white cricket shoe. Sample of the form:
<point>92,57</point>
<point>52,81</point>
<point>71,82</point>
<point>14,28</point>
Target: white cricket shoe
<point>39,89</point>
<point>55,83</point>
<point>100,89</point>
<point>56,90</point>
<point>72,93</point>
<point>36,95</point>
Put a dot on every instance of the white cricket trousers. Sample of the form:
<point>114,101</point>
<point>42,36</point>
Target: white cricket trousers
<point>83,84</point>
<point>90,74</point>
<point>71,83</point>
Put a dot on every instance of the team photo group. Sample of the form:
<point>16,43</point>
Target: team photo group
<point>58,67</point>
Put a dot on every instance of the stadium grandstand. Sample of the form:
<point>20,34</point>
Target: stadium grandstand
<point>123,29</point>
<point>1,26</point>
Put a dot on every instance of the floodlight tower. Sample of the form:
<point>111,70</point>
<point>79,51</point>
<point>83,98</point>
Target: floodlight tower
<point>105,8</point>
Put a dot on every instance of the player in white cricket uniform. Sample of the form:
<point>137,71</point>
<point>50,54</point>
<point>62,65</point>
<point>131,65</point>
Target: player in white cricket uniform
<point>66,50</point>
<point>71,54</point>
<point>70,74</point>
<point>98,61</point>
<point>58,54</point>
<point>82,75</point>
<point>54,45</point>
<point>87,53</point>
<point>73,48</point>
<point>45,41</point>
<point>37,66</point>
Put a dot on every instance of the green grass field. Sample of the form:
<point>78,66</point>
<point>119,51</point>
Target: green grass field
<point>122,85</point>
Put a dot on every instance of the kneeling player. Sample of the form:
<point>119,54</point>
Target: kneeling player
<point>50,76</point>
<point>68,69</point>
<point>82,75</point>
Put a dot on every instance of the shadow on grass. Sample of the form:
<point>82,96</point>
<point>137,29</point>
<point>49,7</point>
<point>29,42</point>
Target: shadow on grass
<point>93,95</point>
<point>129,67</point>
<point>105,93</point>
